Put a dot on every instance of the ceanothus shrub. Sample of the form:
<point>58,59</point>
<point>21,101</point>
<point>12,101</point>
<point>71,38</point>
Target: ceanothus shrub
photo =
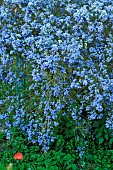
<point>56,59</point>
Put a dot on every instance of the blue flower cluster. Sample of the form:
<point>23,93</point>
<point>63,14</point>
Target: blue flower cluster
<point>66,49</point>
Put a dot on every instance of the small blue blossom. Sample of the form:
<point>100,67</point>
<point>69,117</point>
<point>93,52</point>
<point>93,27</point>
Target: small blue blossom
<point>56,61</point>
<point>1,102</point>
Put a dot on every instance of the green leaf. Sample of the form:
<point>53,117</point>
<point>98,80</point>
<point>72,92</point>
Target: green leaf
<point>99,135</point>
<point>105,130</point>
<point>108,165</point>
<point>74,167</point>
<point>71,166</point>
<point>96,124</point>
<point>106,136</point>
<point>101,140</point>
<point>2,167</point>
<point>67,157</point>
<point>111,141</point>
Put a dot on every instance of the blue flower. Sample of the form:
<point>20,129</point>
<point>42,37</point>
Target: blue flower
<point>1,102</point>
<point>56,61</point>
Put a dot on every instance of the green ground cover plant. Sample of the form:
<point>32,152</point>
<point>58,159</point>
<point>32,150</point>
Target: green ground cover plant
<point>34,158</point>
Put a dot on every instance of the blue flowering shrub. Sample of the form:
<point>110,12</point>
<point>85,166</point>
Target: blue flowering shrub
<point>57,66</point>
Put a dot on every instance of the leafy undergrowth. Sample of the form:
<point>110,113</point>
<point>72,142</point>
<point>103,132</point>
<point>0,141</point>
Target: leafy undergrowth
<point>35,159</point>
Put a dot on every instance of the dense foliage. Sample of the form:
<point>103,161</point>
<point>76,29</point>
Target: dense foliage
<point>34,159</point>
<point>56,71</point>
